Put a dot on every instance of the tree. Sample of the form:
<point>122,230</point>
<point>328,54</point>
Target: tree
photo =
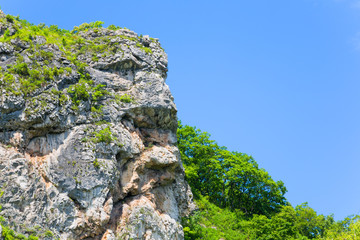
<point>239,200</point>
<point>229,179</point>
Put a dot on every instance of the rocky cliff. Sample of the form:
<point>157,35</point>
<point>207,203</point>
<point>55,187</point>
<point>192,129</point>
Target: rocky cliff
<point>88,134</point>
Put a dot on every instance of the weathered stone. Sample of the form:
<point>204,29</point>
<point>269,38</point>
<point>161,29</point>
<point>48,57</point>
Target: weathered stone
<point>58,174</point>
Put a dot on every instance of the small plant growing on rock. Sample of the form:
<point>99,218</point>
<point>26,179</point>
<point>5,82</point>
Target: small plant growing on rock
<point>113,27</point>
<point>48,233</point>
<point>126,98</point>
<point>104,135</point>
<point>96,163</point>
<point>87,26</point>
<point>146,49</point>
<point>21,69</point>
<point>80,91</point>
<point>10,18</point>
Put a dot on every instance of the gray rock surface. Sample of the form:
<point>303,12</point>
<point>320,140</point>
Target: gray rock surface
<point>105,167</point>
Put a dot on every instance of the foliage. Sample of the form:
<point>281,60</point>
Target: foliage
<point>87,26</point>
<point>348,229</point>
<point>80,91</point>
<point>10,18</point>
<point>229,179</point>
<point>86,90</point>
<point>104,135</point>
<point>211,222</point>
<point>27,78</point>
<point>301,222</point>
<point>146,49</point>
<point>9,234</point>
<point>113,27</point>
<point>237,200</point>
<point>96,163</point>
<point>126,98</point>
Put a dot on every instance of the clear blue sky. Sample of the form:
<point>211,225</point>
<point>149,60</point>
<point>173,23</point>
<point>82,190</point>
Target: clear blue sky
<point>279,80</point>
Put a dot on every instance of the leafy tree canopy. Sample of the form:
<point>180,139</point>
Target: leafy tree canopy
<point>239,200</point>
<point>229,179</point>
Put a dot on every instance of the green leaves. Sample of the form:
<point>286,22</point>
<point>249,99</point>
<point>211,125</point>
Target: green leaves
<point>126,98</point>
<point>86,90</point>
<point>239,200</point>
<point>229,179</point>
<point>10,18</point>
<point>104,135</point>
<point>87,26</point>
<point>80,91</point>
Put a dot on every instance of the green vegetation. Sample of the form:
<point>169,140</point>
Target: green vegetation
<point>113,27</point>
<point>9,18</point>
<point>86,90</point>
<point>146,49</point>
<point>104,135</point>
<point>126,98</point>
<point>87,26</point>
<point>229,179</point>
<point>35,233</point>
<point>8,233</point>
<point>239,200</point>
<point>41,58</point>
<point>96,163</point>
<point>236,198</point>
<point>29,78</point>
<point>48,234</point>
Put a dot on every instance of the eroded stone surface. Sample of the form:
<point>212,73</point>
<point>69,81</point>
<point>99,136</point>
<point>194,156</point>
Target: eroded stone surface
<point>56,176</point>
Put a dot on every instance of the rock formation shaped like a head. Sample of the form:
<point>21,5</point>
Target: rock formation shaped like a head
<point>88,134</point>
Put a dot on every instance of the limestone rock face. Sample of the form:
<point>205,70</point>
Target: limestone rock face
<point>88,151</point>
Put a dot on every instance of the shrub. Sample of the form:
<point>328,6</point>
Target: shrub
<point>21,69</point>
<point>126,98</point>
<point>87,26</point>
<point>146,49</point>
<point>46,55</point>
<point>98,92</point>
<point>48,234</point>
<point>113,27</point>
<point>96,163</point>
<point>104,135</point>
<point>10,18</point>
<point>62,99</point>
<point>80,91</point>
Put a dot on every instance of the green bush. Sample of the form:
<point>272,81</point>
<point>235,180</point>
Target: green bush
<point>98,92</point>
<point>126,98</point>
<point>96,163</point>
<point>104,135</point>
<point>21,69</point>
<point>9,234</point>
<point>113,27</point>
<point>10,18</point>
<point>229,179</point>
<point>146,49</point>
<point>48,234</point>
<point>80,91</point>
<point>87,26</point>
<point>46,55</point>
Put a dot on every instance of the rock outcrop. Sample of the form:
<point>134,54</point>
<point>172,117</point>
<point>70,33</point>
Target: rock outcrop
<point>88,134</point>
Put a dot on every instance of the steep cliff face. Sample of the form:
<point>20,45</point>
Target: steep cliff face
<point>88,135</point>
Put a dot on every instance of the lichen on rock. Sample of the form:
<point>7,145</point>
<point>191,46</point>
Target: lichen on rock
<point>88,134</point>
